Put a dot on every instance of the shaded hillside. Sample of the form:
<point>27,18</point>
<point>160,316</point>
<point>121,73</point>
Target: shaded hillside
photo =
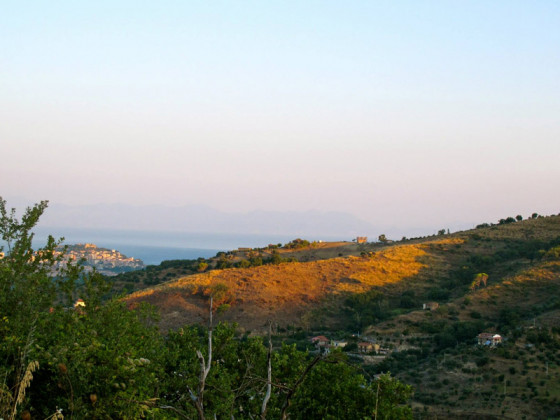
<point>438,355</point>
<point>455,377</point>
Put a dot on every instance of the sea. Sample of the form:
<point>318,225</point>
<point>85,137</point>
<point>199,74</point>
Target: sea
<point>153,247</point>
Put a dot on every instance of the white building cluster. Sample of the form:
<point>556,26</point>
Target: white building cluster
<point>106,261</point>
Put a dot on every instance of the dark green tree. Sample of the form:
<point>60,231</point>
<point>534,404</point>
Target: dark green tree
<point>27,291</point>
<point>97,361</point>
<point>334,389</point>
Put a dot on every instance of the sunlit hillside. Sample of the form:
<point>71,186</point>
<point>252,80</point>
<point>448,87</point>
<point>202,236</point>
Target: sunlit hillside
<point>284,293</point>
<point>315,293</point>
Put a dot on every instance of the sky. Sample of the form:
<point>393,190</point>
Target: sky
<point>402,113</point>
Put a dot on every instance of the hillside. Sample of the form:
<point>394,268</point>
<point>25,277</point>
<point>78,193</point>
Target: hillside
<point>436,268</point>
<point>379,289</point>
<point>173,269</point>
<point>312,291</point>
<point>283,293</point>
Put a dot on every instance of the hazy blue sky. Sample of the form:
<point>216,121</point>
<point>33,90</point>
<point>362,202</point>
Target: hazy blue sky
<point>421,113</point>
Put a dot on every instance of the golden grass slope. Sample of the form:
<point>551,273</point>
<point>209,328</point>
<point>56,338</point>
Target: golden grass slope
<point>282,293</point>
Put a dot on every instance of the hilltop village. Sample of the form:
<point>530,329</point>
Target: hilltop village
<point>108,262</point>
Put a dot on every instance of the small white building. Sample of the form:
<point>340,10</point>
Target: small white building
<point>489,339</point>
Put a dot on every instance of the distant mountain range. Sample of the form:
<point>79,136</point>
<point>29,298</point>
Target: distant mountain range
<point>205,219</point>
